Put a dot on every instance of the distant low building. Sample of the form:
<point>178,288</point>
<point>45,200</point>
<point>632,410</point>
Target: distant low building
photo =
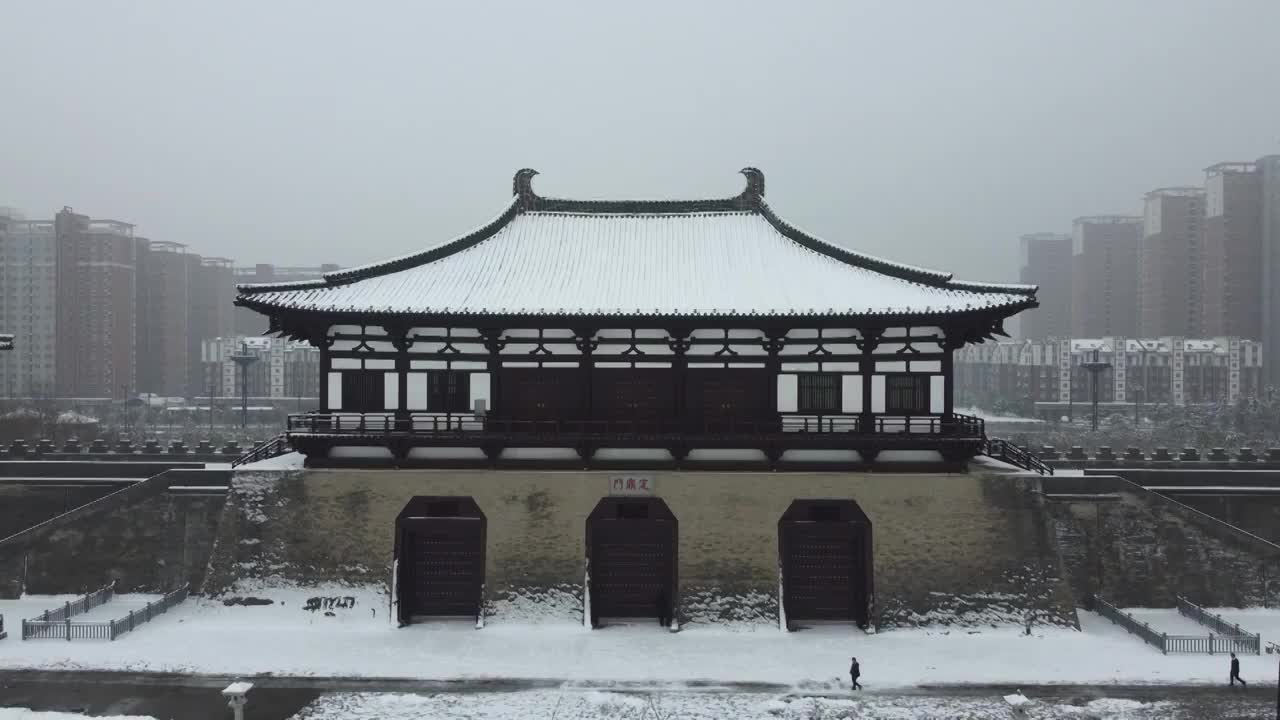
<point>1047,376</point>
<point>281,370</point>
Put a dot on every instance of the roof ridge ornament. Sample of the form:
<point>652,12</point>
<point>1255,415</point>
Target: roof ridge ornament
<point>755,183</point>
<point>522,184</point>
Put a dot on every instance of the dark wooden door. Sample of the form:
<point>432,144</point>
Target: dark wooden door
<point>646,396</point>
<point>731,399</point>
<point>824,572</point>
<point>631,567</point>
<point>364,391</point>
<point>539,394</point>
<point>445,566</point>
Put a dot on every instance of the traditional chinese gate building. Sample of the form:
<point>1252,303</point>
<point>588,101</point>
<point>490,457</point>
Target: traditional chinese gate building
<point>588,337</point>
<point>677,326</point>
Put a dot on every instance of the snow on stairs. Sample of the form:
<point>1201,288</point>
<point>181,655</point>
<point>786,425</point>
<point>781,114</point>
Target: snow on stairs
<point>275,447</point>
<point>1007,452</point>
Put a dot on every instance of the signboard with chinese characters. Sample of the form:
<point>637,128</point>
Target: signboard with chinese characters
<point>631,485</point>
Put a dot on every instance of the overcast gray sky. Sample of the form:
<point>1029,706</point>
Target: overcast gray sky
<point>929,132</point>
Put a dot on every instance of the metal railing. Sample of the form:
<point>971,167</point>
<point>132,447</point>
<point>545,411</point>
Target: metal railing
<point>148,613</point>
<point>1240,640</point>
<point>1130,623</point>
<point>1210,644</point>
<point>470,426</point>
<point>80,605</point>
<point>275,447</point>
<point>1006,451</point>
<point>58,625</point>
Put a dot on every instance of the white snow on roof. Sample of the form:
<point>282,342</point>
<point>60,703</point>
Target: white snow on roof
<point>716,263</point>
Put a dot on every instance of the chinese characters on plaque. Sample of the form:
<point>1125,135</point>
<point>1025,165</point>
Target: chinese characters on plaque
<point>631,485</point>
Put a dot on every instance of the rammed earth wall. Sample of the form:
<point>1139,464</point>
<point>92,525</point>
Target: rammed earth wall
<point>948,548</point>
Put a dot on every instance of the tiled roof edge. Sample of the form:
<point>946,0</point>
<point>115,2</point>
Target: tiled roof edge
<point>933,278</point>
<point>1008,288</point>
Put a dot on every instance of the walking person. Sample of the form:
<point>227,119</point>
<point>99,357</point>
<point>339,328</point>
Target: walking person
<point>855,672</point>
<point>1235,672</point>
<point>664,608</point>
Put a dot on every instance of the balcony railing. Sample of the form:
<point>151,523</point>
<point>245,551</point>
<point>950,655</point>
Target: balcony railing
<point>470,428</point>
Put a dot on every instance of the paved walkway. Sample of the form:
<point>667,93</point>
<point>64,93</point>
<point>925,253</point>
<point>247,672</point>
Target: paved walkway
<point>196,697</point>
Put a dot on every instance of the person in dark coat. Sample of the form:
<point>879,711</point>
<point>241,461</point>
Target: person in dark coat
<point>1235,671</point>
<point>664,608</point>
<point>855,672</point>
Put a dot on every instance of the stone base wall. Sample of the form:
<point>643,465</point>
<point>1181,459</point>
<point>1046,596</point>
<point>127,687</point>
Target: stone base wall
<point>144,538</point>
<point>1256,514</point>
<point>1136,548</point>
<point>25,505</point>
<point>948,548</point>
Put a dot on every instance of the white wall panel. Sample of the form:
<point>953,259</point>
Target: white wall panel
<point>787,400</point>
<point>480,389</point>
<point>937,393</point>
<point>877,393</point>
<point>335,391</point>
<point>416,387</point>
<point>851,393</point>
<point>391,391</point>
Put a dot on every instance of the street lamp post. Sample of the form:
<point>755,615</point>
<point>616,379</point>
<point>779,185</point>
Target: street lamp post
<point>244,359</point>
<point>1095,366</point>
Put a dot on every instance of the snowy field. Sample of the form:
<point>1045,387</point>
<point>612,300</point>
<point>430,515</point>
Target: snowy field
<point>284,638</point>
<point>557,705</point>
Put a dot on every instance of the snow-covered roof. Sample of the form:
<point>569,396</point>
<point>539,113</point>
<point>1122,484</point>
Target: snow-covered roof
<point>727,257</point>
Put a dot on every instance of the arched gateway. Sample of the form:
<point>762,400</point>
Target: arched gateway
<point>439,558</point>
<point>824,549</point>
<point>632,548</point>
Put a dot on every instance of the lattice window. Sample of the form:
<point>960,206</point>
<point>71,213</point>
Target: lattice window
<point>449,391</point>
<point>907,394</point>
<point>818,393</point>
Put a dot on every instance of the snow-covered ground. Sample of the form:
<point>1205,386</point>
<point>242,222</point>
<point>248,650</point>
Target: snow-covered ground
<point>993,418</point>
<point>551,704</point>
<point>8,713</point>
<point>288,461</point>
<point>1265,622</point>
<point>1168,621</point>
<point>285,638</point>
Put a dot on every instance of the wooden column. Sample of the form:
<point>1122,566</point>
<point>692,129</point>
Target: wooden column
<point>585,340</point>
<point>401,341</point>
<point>679,341</point>
<point>320,338</point>
<point>867,368</point>
<point>493,343</point>
<point>773,343</point>
<point>949,347</point>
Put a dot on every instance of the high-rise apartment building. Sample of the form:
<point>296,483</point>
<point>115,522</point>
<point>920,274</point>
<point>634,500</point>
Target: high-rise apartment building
<point>1233,250</point>
<point>27,298</point>
<point>1171,268</point>
<point>1104,274</point>
<point>1269,193</point>
<point>1046,262</point>
<point>248,322</point>
<point>163,308</point>
<point>212,312</point>
<point>96,306</point>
